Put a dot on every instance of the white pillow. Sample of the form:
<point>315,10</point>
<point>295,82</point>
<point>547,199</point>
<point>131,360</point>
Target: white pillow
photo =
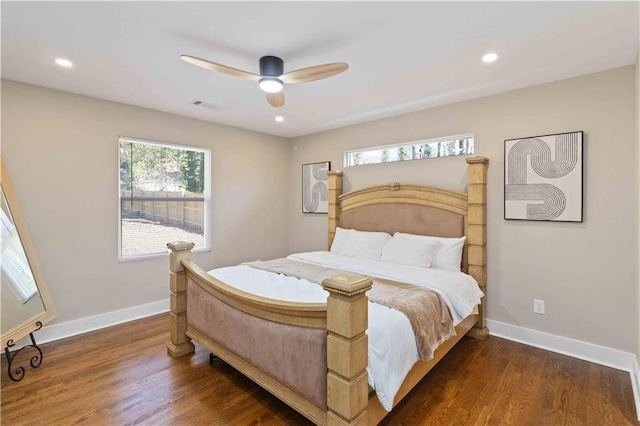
<point>410,251</point>
<point>364,245</point>
<point>339,239</point>
<point>449,254</point>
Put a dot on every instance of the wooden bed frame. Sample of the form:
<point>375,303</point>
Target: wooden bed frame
<point>344,316</point>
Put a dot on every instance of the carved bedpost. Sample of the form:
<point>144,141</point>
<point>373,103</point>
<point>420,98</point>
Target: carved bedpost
<point>477,234</point>
<point>180,344</point>
<point>335,190</point>
<point>347,348</point>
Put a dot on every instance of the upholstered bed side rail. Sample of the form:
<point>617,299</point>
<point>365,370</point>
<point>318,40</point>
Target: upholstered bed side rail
<point>295,356</point>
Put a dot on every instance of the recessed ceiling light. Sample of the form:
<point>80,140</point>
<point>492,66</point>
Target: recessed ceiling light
<point>279,119</point>
<point>490,57</point>
<point>64,62</point>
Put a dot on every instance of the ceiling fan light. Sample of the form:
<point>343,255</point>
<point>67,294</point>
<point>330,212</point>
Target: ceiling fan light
<point>271,84</point>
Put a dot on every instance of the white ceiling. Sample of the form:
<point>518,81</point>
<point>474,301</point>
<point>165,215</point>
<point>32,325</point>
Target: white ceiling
<point>403,56</point>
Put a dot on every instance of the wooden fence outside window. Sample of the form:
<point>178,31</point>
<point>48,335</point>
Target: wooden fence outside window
<point>181,209</point>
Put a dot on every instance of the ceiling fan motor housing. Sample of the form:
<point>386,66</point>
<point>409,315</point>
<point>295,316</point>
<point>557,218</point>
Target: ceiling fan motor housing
<point>271,66</point>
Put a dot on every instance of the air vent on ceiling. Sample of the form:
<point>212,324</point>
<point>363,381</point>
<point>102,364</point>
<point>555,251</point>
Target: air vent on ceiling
<point>208,105</point>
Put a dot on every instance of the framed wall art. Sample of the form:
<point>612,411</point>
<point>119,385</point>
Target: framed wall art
<point>314,187</point>
<point>543,178</point>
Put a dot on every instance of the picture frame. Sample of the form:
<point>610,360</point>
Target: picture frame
<point>315,191</point>
<point>543,178</point>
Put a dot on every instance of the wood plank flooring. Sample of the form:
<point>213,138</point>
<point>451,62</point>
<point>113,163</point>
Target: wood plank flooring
<point>122,375</point>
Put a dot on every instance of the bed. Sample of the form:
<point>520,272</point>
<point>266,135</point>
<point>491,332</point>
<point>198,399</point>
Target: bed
<point>311,354</point>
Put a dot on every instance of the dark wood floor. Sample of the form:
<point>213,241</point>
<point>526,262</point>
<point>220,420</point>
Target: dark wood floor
<point>122,375</point>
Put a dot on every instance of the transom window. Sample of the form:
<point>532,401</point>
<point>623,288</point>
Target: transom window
<point>417,150</point>
<point>164,197</point>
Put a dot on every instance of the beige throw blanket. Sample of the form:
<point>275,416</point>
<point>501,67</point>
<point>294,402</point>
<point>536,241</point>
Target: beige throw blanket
<point>425,309</point>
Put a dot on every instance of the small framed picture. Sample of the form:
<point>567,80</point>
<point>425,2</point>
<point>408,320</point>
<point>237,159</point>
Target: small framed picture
<point>543,178</point>
<point>315,192</point>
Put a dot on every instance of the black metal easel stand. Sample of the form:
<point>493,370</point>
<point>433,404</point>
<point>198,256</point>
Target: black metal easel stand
<point>35,362</point>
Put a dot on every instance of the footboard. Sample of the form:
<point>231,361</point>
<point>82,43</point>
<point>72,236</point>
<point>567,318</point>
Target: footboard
<point>219,311</point>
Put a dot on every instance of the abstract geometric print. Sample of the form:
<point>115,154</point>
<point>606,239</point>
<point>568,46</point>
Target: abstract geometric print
<point>543,178</point>
<point>315,194</point>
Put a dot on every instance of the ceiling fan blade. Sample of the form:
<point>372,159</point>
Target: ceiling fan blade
<point>276,100</point>
<point>317,72</point>
<point>219,68</point>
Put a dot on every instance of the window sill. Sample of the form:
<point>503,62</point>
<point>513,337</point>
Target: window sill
<point>155,255</point>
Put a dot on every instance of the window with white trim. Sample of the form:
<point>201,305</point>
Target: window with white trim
<point>164,197</point>
<point>417,150</point>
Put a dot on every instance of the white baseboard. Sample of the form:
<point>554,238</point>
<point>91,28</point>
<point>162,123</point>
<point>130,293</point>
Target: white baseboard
<point>613,358</point>
<point>62,330</point>
<point>635,383</point>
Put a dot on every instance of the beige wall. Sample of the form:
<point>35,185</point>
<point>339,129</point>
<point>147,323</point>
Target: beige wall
<point>586,272</point>
<point>637,120</point>
<point>61,152</point>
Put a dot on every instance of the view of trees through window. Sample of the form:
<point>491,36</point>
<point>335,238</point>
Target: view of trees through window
<point>459,145</point>
<point>162,196</point>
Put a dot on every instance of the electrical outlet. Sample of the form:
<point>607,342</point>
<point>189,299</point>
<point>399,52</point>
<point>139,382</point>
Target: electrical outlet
<point>538,306</point>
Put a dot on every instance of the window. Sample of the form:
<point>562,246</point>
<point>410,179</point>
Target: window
<point>164,197</point>
<point>430,148</point>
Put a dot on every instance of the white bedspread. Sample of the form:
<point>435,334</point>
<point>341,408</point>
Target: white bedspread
<point>459,290</point>
<point>392,344</point>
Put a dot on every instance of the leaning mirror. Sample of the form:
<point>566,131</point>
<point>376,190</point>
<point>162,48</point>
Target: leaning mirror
<point>25,302</point>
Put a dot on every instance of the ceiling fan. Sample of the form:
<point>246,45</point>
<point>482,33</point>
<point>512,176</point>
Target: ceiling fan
<point>271,78</point>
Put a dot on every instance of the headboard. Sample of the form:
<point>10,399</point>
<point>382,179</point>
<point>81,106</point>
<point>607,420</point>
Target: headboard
<point>422,210</point>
